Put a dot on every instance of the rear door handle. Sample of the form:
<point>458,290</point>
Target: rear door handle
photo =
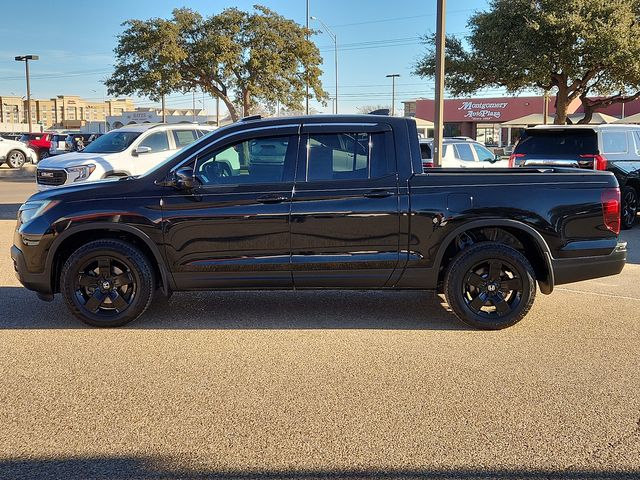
<point>273,199</point>
<point>378,193</point>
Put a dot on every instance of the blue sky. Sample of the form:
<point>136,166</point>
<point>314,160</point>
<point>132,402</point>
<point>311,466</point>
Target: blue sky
<point>375,37</point>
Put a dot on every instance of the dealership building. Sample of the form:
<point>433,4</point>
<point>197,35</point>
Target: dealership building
<point>498,121</point>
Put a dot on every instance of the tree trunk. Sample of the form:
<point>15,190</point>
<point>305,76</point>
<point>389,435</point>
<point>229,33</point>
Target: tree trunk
<point>562,105</point>
<point>246,103</point>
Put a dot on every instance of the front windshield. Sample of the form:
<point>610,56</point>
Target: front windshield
<point>112,142</point>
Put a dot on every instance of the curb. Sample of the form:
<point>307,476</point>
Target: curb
<point>28,170</point>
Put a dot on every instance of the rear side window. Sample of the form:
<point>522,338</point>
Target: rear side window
<point>184,137</point>
<point>157,142</point>
<point>425,151</point>
<point>464,152</point>
<point>346,156</point>
<point>560,142</point>
<point>614,142</point>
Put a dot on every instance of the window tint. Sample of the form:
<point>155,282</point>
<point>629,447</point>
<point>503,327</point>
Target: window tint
<point>484,155</point>
<point>184,137</point>
<point>562,142</point>
<point>259,160</point>
<point>614,142</point>
<point>464,152</point>
<point>157,142</point>
<point>346,156</point>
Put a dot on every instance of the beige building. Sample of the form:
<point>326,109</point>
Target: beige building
<point>63,111</point>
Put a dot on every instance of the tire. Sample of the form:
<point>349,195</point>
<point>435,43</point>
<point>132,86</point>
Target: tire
<point>629,210</point>
<point>107,283</point>
<point>42,154</point>
<point>16,159</point>
<point>490,286</point>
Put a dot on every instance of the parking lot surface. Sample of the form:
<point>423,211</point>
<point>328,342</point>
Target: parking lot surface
<point>320,384</point>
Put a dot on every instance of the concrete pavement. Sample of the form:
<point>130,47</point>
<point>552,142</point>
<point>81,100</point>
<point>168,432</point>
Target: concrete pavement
<point>322,385</point>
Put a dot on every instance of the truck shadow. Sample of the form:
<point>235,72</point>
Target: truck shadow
<point>328,309</point>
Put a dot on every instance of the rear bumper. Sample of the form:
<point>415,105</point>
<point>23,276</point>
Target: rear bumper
<point>569,270</point>
<point>38,282</point>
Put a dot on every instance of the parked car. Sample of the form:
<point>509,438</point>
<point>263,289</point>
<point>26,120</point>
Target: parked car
<point>38,142</point>
<point>15,154</point>
<point>131,150</point>
<point>296,215</point>
<point>69,141</point>
<point>461,152</point>
<point>613,148</point>
<point>58,144</point>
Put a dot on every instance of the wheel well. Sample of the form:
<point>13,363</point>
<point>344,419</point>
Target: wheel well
<point>513,237</point>
<point>75,241</point>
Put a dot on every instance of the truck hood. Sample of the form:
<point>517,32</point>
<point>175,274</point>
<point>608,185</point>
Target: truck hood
<point>73,159</point>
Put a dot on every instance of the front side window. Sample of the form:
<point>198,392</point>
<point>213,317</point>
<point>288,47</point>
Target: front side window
<point>464,152</point>
<point>254,161</point>
<point>157,142</point>
<point>346,156</point>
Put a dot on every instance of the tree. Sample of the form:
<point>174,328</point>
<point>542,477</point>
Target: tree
<point>364,109</point>
<point>243,58</point>
<point>580,48</point>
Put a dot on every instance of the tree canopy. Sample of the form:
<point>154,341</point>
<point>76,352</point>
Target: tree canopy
<point>243,58</point>
<point>578,48</point>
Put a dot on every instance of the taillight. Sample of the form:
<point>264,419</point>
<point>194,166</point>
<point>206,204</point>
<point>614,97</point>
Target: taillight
<point>599,161</point>
<point>512,159</point>
<point>427,164</point>
<point>611,209</point>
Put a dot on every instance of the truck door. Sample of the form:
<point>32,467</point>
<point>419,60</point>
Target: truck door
<point>344,213</point>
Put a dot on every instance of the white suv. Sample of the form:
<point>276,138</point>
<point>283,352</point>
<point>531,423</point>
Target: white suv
<point>130,150</point>
<point>15,153</point>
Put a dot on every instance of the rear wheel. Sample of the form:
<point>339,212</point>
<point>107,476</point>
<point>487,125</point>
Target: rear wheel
<point>16,159</point>
<point>42,154</point>
<point>107,283</point>
<point>490,286</point>
<point>629,211</point>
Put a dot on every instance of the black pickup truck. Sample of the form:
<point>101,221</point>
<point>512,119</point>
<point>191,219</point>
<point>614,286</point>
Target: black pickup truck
<point>321,202</point>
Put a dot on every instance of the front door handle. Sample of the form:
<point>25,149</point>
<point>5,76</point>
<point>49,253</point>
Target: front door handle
<point>378,193</point>
<point>273,199</point>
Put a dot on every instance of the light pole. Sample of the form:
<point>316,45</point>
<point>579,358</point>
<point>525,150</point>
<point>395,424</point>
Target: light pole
<point>441,10</point>
<point>25,59</point>
<point>393,77</point>
<point>335,53</point>
<point>306,103</point>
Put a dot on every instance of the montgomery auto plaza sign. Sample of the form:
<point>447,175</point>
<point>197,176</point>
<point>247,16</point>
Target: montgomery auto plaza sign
<point>483,110</point>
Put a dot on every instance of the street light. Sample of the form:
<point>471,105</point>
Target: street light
<point>335,53</point>
<point>25,59</point>
<point>393,92</point>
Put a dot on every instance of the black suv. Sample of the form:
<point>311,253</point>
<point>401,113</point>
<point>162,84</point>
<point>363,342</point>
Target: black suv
<point>615,148</point>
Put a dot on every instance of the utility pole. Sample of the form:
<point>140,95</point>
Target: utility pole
<point>438,131</point>
<point>306,98</point>
<point>393,77</point>
<point>334,37</point>
<point>194,105</point>
<point>217,111</point>
<point>164,113</point>
<point>545,108</point>
<point>25,59</point>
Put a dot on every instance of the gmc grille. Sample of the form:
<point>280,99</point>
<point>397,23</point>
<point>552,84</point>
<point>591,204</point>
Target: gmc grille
<point>51,177</point>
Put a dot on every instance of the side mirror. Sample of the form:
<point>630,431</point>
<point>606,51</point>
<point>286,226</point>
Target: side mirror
<point>184,179</point>
<point>496,158</point>
<point>140,150</point>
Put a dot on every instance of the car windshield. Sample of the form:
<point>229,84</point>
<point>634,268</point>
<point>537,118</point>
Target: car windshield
<point>112,142</point>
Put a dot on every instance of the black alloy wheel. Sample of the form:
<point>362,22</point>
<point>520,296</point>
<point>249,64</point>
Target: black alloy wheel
<point>107,283</point>
<point>490,285</point>
<point>629,207</point>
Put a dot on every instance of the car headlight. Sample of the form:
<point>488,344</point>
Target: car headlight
<point>32,209</point>
<point>81,172</point>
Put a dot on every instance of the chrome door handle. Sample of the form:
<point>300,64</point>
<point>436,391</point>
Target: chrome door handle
<point>273,199</point>
<point>378,194</point>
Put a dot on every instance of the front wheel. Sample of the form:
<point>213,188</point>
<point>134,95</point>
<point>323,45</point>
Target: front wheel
<point>16,159</point>
<point>107,283</point>
<point>629,212</point>
<point>490,286</point>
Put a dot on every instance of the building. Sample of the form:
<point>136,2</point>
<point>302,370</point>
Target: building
<point>60,112</point>
<point>154,115</point>
<point>498,121</point>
